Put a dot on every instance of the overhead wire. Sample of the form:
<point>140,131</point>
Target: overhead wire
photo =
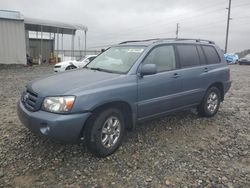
<point>195,16</point>
<point>164,22</point>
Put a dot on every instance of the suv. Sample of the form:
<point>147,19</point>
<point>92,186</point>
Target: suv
<point>126,84</point>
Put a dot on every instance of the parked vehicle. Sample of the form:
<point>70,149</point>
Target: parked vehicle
<point>128,83</point>
<point>231,58</point>
<point>245,60</point>
<point>74,64</point>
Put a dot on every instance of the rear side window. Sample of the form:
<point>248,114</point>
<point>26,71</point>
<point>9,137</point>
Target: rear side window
<point>188,55</point>
<point>211,54</point>
<point>163,57</point>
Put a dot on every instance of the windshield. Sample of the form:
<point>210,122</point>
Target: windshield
<point>247,57</point>
<point>116,59</point>
<point>81,58</point>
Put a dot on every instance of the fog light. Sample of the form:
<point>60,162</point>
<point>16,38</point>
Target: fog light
<point>45,130</point>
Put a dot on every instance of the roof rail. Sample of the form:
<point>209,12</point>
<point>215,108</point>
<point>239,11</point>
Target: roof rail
<point>197,40</point>
<point>146,40</point>
<point>171,39</point>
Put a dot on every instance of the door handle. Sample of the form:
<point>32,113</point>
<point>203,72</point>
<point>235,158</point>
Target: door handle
<point>176,75</point>
<point>206,69</point>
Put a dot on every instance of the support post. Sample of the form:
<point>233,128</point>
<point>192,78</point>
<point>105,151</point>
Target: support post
<point>41,56</point>
<point>54,46</point>
<point>72,45</point>
<point>62,48</point>
<point>85,42</point>
<point>57,45</point>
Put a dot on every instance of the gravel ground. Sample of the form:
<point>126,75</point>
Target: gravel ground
<point>181,150</point>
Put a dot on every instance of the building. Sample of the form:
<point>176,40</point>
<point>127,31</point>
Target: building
<point>16,42</point>
<point>12,38</point>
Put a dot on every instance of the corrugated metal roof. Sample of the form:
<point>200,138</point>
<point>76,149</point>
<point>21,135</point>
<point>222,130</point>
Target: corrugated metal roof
<point>50,23</point>
<point>32,24</point>
<point>13,15</point>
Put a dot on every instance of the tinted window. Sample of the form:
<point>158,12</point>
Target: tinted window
<point>212,55</point>
<point>163,57</point>
<point>201,55</point>
<point>188,55</point>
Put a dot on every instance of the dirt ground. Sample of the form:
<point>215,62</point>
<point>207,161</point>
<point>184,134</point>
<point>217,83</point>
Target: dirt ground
<point>181,150</point>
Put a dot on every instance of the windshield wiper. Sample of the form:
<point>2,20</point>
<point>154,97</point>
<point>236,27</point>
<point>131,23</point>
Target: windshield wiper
<point>104,70</point>
<point>100,69</point>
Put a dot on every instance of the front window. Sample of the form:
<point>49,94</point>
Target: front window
<point>116,59</point>
<point>163,57</point>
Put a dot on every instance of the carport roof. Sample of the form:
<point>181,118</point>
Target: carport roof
<point>52,26</point>
<point>10,15</point>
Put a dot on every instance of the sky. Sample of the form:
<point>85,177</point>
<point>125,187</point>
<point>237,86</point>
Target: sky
<point>113,21</point>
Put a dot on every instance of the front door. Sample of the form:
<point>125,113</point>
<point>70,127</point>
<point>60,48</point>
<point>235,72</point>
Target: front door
<point>159,93</point>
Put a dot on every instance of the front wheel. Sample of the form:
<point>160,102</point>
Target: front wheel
<point>210,103</point>
<point>70,67</point>
<point>104,134</point>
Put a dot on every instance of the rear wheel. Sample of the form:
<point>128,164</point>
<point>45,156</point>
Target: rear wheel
<point>210,103</point>
<point>70,67</point>
<point>103,135</point>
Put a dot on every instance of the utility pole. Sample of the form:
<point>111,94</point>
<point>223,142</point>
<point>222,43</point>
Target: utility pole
<point>228,22</point>
<point>177,30</point>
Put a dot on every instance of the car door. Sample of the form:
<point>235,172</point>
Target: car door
<point>194,73</point>
<point>158,93</point>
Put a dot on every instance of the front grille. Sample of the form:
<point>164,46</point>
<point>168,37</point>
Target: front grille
<point>57,66</point>
<point>29,100</point>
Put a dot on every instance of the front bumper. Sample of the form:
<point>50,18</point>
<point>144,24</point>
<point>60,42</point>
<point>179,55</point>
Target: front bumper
<point>61,69</point>
<point>63,127</point>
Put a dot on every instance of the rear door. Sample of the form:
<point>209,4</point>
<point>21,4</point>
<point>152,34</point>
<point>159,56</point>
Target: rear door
<point>158,93</point>
<point>216,70</point>
<point>193,71</point>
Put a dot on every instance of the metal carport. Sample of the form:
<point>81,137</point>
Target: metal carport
<point>55,28</point>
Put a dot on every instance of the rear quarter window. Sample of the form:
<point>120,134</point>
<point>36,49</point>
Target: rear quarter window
<point>211,54</point>
<point>202,56</point>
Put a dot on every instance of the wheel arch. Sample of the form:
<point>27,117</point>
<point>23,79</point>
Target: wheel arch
<point>220,86</point>
<point>125,108</point>
<point>70,65</point>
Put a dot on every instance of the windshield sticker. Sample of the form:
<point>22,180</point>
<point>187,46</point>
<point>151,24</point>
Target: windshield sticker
<point>136,50</point>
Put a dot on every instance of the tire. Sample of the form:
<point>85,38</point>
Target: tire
<point>70,67</point>
<point>99,133</point>
<point>210,103</point>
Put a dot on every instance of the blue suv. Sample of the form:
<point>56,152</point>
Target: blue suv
<point>128,83</point>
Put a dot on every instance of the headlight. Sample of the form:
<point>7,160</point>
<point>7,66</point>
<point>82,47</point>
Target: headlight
<point>58,104</point>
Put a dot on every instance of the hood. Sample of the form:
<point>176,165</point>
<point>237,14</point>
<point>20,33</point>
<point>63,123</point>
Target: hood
<point>64,83</point>
<point>244,59</point>
<point>65,62</point>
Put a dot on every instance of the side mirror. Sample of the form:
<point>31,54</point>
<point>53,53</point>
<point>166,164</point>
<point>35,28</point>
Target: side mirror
<point>148,69</point>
